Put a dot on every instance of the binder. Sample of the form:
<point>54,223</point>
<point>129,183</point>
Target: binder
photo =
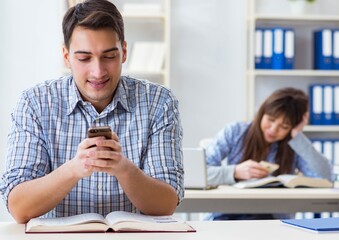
<point>336,152</point>
<point>289,49</point>
<point>336,104</point>
<point>336,49</point>
<point>328,113</point>
<point>318,145</point>
<point>258,52</point>
<point>267,49</point>
<point>316,104</point>
<point>323,49</point>
<point>328,150</point>
<point>278,48</point>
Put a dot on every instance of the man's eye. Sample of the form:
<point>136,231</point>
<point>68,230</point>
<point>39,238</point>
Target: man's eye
<point>111,56</point>
<point>83,59</point>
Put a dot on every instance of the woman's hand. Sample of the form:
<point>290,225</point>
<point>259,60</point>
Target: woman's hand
<point>249,169</point>
<point>300,126</point>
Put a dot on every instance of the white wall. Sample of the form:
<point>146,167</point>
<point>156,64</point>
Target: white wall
<point>207,66</point>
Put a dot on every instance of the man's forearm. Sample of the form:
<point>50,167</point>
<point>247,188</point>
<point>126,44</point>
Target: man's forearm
<point>151,196</point>
<point>37,197</point>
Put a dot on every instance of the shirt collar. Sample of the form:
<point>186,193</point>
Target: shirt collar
<point>121,96</point>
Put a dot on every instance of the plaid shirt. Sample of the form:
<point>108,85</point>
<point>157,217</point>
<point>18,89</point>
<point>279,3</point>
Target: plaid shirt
<point>51,120</point>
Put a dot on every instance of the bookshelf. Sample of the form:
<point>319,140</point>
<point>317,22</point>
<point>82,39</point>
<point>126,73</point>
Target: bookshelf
<point>147,31</point>
<point>262,82</point>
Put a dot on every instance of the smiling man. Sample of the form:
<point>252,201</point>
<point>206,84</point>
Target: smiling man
<point>54,169</point>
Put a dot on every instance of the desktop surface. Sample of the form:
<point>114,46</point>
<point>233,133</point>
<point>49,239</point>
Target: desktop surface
<point>260,200</point>
<point>240,230</point>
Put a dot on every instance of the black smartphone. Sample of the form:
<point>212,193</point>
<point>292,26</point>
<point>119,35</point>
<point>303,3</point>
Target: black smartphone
<point>105,131</point>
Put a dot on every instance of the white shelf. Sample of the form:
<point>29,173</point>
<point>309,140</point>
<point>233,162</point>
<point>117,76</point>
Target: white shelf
<point>322,128</point>
<point>300,18</point>
<point>296,73</point>
<point>144,16</point>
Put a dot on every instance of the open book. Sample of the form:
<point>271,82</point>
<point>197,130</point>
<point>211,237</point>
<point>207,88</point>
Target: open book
<point>285,180</point>
<point>118,221</point>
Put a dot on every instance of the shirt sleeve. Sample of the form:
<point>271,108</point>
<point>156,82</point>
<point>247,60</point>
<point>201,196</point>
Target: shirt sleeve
<point>163,156</point>
<point>216,152</point>
<point>27,157</point>
<point>309,161</point>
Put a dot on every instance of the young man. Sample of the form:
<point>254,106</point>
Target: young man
<point>54,169</point>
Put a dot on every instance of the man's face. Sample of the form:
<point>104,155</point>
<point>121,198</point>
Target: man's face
<point>95,58</point>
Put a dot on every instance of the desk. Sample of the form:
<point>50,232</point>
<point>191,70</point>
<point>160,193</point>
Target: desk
<point>239,230</point>
<point>259,200</point>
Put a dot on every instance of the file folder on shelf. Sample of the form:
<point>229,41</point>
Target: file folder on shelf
<point>336,49</point>
<point>268,49</point>
<point>278,49</point>
<point>258,54</point>
<point>316,104</point>
<point>323,49</point>
<point>328,113</point>
<point>289,49</point>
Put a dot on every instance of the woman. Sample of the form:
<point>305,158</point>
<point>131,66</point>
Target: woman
<point>275,135</point>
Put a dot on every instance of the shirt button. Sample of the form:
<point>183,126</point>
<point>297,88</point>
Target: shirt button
<point>99,186</point>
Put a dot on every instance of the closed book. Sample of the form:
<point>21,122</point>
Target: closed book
<point>319,225</point>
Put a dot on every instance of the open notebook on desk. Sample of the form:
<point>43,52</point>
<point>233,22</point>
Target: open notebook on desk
<point>195,169</point>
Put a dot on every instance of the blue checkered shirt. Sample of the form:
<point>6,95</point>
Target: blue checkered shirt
<point>51,120</point>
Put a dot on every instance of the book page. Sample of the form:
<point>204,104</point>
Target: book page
<point>64,223</point>
<point>257,182</point>
<point>126,221</point>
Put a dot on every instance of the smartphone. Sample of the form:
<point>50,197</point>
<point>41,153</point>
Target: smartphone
<point>104,131</point>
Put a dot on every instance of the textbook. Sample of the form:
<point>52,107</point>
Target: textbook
<point>285,180</point>
<point>319,225</point>
<point>118,221</point>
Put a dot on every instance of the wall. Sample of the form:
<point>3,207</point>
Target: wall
<point>207,66</point>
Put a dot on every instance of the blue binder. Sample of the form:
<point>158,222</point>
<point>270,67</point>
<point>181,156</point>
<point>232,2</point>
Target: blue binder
<point>289,49</point>
<point>315,224</point>
<point>278,48</point>
<point>258,52</point>
<point>323,49</point>
<point>335,51</point>
<point>316,104</point>
<point>328,111</point>
<point>336,104</point>
<point>268,49</point>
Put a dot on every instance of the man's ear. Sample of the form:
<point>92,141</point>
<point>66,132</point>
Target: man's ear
<point>65,54</point>
<point>124,51</point>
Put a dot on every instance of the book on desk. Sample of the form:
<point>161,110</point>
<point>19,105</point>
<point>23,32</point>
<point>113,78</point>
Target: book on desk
<point>318,225</point>
<point>117,221</point>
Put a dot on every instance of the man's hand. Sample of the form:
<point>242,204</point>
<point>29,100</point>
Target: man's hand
<point>106,156</point>
<point>249,169</point>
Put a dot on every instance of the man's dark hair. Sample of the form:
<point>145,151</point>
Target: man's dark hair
<point>93,14</point>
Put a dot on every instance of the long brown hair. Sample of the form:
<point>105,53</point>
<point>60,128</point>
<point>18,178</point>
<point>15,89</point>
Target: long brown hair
<point>288,102</point>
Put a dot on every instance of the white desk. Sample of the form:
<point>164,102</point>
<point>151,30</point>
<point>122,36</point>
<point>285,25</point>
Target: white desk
<point>259,200</point>
<point>239,230</point>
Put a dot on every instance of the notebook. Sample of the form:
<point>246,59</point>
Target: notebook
<point>195,169</point>
<point>319,225</point>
